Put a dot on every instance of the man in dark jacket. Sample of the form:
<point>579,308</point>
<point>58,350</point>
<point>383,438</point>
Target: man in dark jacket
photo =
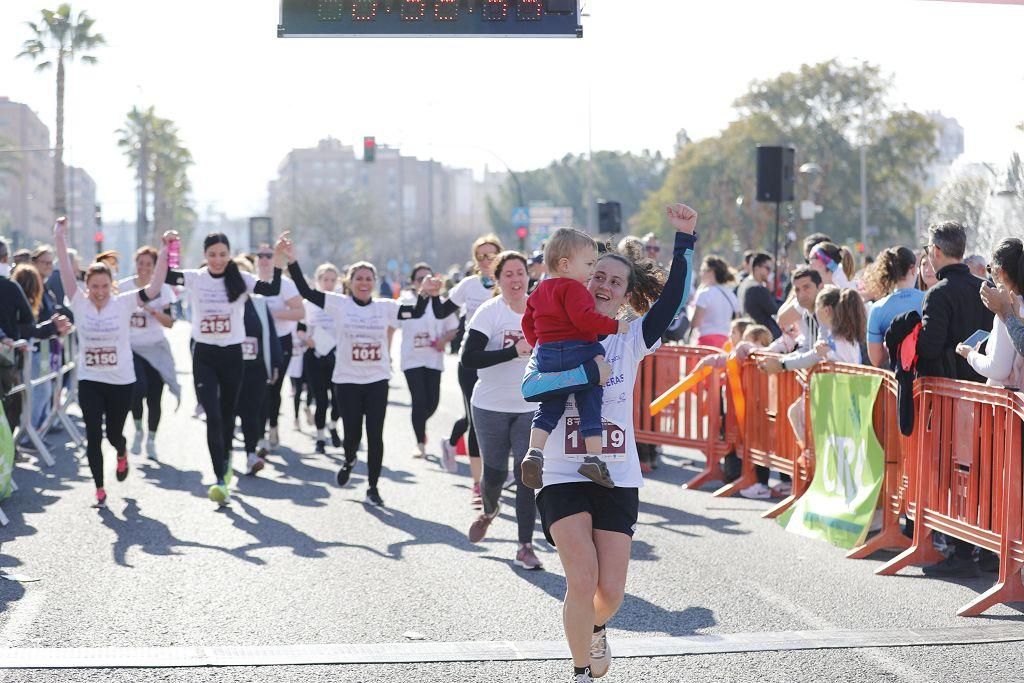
<point>952,312</point>
<point>755,296</point>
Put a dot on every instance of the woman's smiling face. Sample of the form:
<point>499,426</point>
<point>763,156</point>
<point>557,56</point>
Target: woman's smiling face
<point>609,286</point>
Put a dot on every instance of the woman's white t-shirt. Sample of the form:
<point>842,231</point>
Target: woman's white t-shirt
<point>720,305</point>
<point>104,341</point>
<point>362,355</point>
<point>499,387</point>
<point>278,303</point>
<point>320,328</point>
<point>146,329</point>
<point>565,449</point>
<point>215,320</point>
<point>418,335</point>
<point>470,294</point>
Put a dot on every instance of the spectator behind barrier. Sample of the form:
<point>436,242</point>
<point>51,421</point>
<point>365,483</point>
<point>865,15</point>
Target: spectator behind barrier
<point>1000,362</point>
<point>925,273</point>
<point>893,276</point>
<point>715,304</point>
<point>755,297</point>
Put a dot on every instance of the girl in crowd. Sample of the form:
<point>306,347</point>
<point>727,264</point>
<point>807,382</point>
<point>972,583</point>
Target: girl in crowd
<point>423,344</point>
<point>592,526</point>
<point>363,362</point>
<point>287,310</point>
<point>465,298</point>
<point>1001,363</point>
<point>715,305</point>
<point>105,368</point>
<point>893,276</point>
<point>261,352</point>
<point>217,293</point>
<point>926,278</point>
<point>151,353</point>
<point>318,361</point>
<point>835,264</point>
<point>840,313</point>
<point>496,349</point>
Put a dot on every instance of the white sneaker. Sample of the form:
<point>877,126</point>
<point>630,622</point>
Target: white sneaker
<point>420,451</point>
<point>274,439</point>
<point>137,443</point>
<point>600,654</point>
<point>757,491</point>
<point>263,445</point>
<point>151,446</point>
<point>584,677</point>
<point>783,489</point>
<point>254,464</point>
<point>448,461</point>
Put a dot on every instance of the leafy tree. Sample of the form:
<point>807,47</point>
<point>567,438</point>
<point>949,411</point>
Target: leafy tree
<point>340,226</point>
<point>622,177</point>
<point>61,38</point>
<point>826,111</point>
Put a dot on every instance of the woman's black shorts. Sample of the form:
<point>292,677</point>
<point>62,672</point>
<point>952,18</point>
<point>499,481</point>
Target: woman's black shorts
<point>610,509</point>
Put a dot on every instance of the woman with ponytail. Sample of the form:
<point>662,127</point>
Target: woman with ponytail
<point>831,262</point>
<point>1001,363</point>
<point>217,293</point>
<point>894,277</point>
<point>840,313</point>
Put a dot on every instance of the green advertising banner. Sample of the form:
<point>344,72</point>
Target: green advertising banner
<point>849,462</point>
<point>6,456</point>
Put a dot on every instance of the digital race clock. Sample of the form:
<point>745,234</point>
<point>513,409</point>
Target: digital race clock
<point>447,18</point>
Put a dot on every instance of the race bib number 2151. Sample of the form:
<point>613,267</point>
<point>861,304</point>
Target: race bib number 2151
<point>215,324</point>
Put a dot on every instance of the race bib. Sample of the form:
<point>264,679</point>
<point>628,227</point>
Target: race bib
<point>511,338</point>
<point>101,357</point>
<point>138,321</point>
<point>215,325</point>
<point>250,348</point>
<point>613,441</point>
<point>366,352</point>
<point>421,341</point>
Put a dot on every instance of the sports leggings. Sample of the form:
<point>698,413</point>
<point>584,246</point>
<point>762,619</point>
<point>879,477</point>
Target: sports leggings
<point>273,404</point>
<point>358,401</point>
<point>425,389</point>
<point>99,400</point>
<point>149,386</point>
<point>251,409</point>
<point>317,372</point>
<point>501,435</point>
<point>297,384</point>
<point>217,372</point>
<point>467,380</point>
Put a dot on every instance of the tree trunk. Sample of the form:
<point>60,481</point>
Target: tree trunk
<point>59,198</point>
<point>159,201</point>
<point>142,219</point>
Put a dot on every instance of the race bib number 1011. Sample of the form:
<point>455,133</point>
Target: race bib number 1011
<point>366,352</point>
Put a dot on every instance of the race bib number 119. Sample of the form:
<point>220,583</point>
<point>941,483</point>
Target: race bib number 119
<point>613,440</point>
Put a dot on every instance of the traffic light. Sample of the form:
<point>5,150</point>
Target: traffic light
<point>609,218</point>
<point>521,233</point>
<point>369,149</point>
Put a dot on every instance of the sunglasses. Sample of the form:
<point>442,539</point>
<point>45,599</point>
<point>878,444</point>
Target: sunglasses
<point>265,256</point>
<point>481,258</point>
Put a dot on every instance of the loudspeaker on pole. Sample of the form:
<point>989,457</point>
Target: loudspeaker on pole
<point>776,174</point>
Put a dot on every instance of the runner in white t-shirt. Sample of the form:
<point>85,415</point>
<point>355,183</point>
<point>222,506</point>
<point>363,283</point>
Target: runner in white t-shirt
<point>715,304</point>
<point>423,344</point>
<point>151,354</point>
<point>318,360</point>
<point>496,348</point>
<point>287,310</point>
<point>104,362</point>
<point>216,294</point>
<point>362,364</point>
<point>592,526</point>
<point>465,298</point>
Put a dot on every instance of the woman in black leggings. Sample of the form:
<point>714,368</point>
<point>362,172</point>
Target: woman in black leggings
<point>105,368</point>
<point>465,298</point>
<point>423,344</point>
<point>363,362</point>
<point>318,361</point>
<point>217,294</point>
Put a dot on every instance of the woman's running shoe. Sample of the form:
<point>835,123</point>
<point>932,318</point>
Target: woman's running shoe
<point>600,654</point>
<point>219,494</point>
<point>335,438</point>
<point>527,559</point>
<point>373,498</point>
<point>137,442</point>
<point>344,473</point>
<point>584,677</point>
<point>122,466</point>
<point>757,491</point>
<point>478,529</point>
<point>254,464</point>
<point>101,498</point>
<point>321,446</point>
<point>309,416</point>
<point>151,446</point>
<point>273,437</point>
<point>448,461</point>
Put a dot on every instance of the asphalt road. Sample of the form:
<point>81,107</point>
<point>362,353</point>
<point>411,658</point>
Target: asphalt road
<point>296,560</point>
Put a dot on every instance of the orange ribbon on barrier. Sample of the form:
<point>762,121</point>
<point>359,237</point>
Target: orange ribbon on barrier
<point>734,375</point>
<point>689,382</point>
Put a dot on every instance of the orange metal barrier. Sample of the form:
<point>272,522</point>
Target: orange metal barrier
<point>694,420</point>
<point>968,482</point>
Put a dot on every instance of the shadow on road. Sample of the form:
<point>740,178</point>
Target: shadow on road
<point>636,614</point>
<point>673,518</point>
<point>421,531</point>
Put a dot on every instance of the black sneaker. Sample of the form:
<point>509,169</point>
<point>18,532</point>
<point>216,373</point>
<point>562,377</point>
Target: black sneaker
<point>344,473</point>
<point>335,439</point>
<point>321,446</point>
<point>988,561</point>
<point>954,567</point>
<point>373,498</point>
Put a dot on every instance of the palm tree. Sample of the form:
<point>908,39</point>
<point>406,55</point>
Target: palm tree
<point>61,38</point>
<point>135,140</point>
